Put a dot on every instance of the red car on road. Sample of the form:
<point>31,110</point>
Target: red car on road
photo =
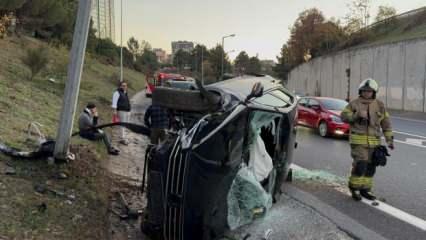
<point>323,113</point>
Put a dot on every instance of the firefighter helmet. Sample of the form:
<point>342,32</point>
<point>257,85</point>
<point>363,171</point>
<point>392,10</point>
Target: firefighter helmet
<point>369,84</point>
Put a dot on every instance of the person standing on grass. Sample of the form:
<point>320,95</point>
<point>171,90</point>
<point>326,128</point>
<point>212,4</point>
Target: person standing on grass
<point>121,108</point>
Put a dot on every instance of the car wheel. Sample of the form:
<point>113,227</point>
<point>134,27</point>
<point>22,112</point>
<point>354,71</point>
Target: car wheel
<point>181,100</point>
<point>323,129</point>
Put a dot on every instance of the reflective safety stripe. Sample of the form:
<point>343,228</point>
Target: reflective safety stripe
<point>388,134</point>
<point>368,182</point>
<point>361,182</point>
<point>384,116</point>
<point>387,115</point>
<point>364,139</point>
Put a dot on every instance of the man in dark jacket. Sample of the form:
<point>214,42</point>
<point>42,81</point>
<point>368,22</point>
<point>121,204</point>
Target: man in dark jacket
<point>158,120</point>
<point>87,122</point>
<point>121,107</point>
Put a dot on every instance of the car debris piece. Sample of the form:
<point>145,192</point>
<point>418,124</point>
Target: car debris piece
<point>267,234</point>
<point>62,176</point>
<point>10,171</point>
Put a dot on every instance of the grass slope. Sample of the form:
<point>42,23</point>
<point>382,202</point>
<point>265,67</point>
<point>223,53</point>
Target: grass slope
<point>22,215</point>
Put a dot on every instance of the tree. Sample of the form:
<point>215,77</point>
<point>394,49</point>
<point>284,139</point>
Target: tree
<point>312,35</point>
<point>358,16</point>
<point>242,62</point>
<point>215,60</point>
<point>199,54</point>
<point>107,49</point>
<point>92,40</point>
<point>35,59</point>
<point>49,18</point>
<point>284,63</point>
<point>385,12</point>
<point>305,34</point>
<point>209,74</point>
<point>182,59</point>
<point>144,45</point>
<point>10,5</point>
<point>133,46</point>
<point>254,66</point>
<point>331,35</point>
<point>147,62</point>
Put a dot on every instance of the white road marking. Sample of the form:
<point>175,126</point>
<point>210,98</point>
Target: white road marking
<point>409,134</point>
<point>404,142</point>
<point>386,208</point>
<point>415,141</point>
<point>401,215</point>
<point>409,119</point>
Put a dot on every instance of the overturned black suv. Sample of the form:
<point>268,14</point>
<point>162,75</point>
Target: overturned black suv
<point>224,165</point>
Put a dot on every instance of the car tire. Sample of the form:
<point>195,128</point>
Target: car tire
<point>181,100</point>
<point>323,129</point>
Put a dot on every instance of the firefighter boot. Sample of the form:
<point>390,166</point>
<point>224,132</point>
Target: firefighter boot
<point>367,194</point>
<point>355,194</point>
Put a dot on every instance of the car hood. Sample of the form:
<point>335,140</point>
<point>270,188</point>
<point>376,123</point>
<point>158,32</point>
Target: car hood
<point>335,112</point>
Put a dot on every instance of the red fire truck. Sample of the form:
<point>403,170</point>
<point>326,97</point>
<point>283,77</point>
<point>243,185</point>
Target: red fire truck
<point>159,79</point>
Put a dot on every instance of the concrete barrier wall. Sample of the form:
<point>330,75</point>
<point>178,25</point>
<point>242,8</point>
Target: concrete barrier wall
<point>400,69</point>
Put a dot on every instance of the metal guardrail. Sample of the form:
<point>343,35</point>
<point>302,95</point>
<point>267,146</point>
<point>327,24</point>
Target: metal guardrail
<point>396,17</point>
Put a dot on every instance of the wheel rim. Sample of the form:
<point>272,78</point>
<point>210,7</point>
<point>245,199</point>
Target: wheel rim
<point>323,129</point>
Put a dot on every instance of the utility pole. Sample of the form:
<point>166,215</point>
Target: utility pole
<point>223,53</point>
<point>202,65</point>
<point>121,41</point>
<point>72,86</point>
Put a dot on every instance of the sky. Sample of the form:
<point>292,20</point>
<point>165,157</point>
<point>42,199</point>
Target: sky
<point>261,27</point>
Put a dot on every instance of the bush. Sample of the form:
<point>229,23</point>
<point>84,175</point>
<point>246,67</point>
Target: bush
<point>36,59</point>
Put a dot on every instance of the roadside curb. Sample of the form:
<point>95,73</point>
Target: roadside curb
<point>342,221</point>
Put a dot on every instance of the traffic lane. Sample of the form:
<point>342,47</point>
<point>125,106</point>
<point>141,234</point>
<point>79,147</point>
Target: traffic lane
<point>317,153</point>
<point>402,182</point>
<point>384,224</point>
<point>409,126</point>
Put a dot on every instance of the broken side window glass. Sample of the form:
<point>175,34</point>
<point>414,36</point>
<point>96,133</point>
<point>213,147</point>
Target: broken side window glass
<point>247,199</point>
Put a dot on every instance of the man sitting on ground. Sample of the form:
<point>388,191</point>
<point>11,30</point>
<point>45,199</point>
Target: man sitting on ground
<point>87,123</point>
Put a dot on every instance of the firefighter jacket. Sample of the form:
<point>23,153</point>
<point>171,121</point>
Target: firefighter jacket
<point>368,131</point>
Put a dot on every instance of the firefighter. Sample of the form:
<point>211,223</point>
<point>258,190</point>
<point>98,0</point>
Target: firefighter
<point>368,118</point>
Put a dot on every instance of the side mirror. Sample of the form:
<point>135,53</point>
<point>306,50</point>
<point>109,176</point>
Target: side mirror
<point>316,107</point>
<point>256,91</point>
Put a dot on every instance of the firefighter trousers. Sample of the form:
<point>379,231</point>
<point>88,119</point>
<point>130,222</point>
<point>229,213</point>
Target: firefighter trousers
<point>362,168</point>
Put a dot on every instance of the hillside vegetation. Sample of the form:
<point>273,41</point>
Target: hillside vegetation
<point>410,25</point>
<point>23,100</point>
<point>35,202</point>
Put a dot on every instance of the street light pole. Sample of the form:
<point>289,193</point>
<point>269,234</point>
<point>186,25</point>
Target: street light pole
<point>72,85</point>
<point>121,41</point>
<point>202,65</point>
<point>223,53</point>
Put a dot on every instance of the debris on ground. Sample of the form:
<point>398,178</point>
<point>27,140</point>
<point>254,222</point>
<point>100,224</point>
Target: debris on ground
<point>126,198</point>
<point>10,171</point>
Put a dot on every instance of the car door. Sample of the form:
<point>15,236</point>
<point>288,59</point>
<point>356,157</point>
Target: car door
<point>313,112</point>
<point>302,111</point>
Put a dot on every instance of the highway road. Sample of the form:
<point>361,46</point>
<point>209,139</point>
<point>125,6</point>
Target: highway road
<point>402,182</point>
